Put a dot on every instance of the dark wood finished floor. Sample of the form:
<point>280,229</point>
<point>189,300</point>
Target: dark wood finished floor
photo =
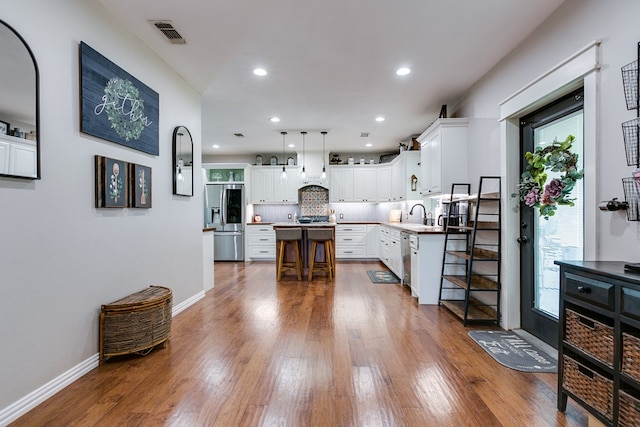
<point>255,352</point>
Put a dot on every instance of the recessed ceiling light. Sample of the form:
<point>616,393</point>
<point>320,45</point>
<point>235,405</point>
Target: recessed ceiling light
<point>275,119</point>
<point>379,119</point>
<point>215,146</point>
<point>368,144</point>
<point>260,72</point>
<point>291,145</point>
<point>403,71</point>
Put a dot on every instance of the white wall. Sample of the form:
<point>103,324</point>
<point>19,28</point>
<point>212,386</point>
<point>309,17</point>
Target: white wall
<point>574,25</point>
<point>60,257</point>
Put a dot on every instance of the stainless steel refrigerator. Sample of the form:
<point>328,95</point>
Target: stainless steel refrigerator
<point>224,211</point>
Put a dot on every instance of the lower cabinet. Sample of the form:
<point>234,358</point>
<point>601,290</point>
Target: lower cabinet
<point>389,249</point>
<point>261,242</point>
<point>599,340</point>
<point>356,241</point>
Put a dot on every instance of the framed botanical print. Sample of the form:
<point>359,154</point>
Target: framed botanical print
<point>140,186</point>
<point>111,182</point>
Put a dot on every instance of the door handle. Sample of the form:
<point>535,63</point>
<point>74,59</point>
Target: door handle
<point>522,239</point>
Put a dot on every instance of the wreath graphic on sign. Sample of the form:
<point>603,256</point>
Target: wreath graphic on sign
<point>533,188</point>
<point>122,105</point>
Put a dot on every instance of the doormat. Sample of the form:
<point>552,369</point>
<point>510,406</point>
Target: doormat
<point>382,277</point>
<point>514,352</point>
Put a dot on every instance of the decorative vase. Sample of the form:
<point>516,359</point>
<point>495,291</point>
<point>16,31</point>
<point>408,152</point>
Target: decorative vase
<point>332,218</point>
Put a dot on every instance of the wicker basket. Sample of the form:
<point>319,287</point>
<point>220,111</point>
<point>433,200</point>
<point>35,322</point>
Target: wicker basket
<point>588,385</point>
<point>631,356</point>
<point>629,410</point>
<point>136,323</point>
<point>590,336</point>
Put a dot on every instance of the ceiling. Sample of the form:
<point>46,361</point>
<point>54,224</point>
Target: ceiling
<point>331,64</point>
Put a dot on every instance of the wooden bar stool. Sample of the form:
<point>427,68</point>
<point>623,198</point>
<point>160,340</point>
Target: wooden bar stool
<point>323,236</point>
<point>285,237</point>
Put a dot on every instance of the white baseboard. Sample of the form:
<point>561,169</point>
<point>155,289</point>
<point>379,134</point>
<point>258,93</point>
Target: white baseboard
<point>187,303</point>
<point>36,397</point>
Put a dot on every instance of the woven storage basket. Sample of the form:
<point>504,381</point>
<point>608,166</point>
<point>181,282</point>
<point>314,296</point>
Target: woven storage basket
<point>590,336</point>
<point>631,356</point>
<point>629,410</point>
<point>588,385</point>
<point>136,323</point>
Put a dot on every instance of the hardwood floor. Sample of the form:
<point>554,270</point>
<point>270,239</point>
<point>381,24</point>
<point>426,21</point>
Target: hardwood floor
<point>255,352</point>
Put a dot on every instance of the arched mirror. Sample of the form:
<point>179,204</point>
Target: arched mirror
<point>19,107</point>
<point>182,162</point>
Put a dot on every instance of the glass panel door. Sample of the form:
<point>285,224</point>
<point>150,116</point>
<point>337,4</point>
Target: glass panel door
<point>561,236</point>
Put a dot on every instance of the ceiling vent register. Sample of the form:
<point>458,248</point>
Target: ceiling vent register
<point>171,34</point>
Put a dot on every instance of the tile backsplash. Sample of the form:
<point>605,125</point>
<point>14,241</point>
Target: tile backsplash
<point>350,211</point>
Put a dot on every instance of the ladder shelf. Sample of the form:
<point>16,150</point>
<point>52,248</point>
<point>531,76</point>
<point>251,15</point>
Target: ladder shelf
<point>470,281</point>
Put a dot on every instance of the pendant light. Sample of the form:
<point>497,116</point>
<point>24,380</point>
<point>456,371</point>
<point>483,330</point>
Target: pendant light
<point>283,176</point>
<point>323,176</point>
<point>303,174</point>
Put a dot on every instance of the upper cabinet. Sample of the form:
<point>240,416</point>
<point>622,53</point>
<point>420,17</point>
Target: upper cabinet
<point>341,184</point>
<point>388,182</point>
<point>267,185</point>
<point>444,147</point>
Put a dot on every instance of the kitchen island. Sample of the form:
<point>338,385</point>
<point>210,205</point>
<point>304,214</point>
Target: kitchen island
<point>306,244</point>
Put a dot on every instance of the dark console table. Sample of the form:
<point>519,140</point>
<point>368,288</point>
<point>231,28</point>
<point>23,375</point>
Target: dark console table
<point>599,340</point>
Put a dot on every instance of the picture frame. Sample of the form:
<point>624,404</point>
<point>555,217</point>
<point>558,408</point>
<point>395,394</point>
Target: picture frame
<point>111,183</point>
<point>115,106</point>
<point>4,128</point>
<point>140,186</point>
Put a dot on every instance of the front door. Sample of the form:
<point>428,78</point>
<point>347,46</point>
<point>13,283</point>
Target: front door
<point>560,237</point>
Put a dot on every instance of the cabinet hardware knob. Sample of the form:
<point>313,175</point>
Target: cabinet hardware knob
<point>584,290</point>
<point>522,239</point>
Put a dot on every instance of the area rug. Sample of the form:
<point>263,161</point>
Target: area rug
<point>382,277</point>
<point>514,352</point>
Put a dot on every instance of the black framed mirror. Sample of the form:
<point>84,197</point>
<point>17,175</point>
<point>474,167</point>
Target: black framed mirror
<point>182,162</point>
<point>19,107</point>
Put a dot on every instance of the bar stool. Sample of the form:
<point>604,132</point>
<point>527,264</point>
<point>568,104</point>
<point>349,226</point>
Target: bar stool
<point>285,237</point>
<point>323,236</point>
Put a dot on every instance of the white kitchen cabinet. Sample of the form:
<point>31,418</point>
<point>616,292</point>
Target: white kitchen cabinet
<point>351,241</point>
<point>372,240</point>
<point>341,189</point>
<point>18,156</point>
<point>262,185</point>
<point>383,181</point>
<point>287,191</point>
<point>268,187</point>
<point>426,267</point>
<point>404,167</point>
<point>364,184</point>
<point>390,253</point>
<point>260,242</point>
<point>444,147</point>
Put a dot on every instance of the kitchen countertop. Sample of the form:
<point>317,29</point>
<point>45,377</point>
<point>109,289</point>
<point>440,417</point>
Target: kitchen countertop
<point>416,228</point>
<point>310,224</point>
<point>403,226</point>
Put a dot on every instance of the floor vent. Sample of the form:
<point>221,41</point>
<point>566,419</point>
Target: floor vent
<point>167,29</point>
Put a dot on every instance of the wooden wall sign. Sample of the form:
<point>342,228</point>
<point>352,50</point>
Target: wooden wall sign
<point>115,105</point>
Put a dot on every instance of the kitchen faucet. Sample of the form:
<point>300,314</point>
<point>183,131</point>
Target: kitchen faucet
<point>424,210</point>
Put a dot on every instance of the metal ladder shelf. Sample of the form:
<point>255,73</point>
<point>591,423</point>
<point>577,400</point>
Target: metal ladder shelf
<point>470,281</point>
